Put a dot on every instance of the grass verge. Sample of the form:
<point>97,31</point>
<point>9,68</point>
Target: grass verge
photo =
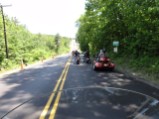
<point>144,67</point>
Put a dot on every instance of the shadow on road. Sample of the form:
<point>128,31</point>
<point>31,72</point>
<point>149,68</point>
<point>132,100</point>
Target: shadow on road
<point>40,80</point>
<point>83,75</point>
<point>32,82</point>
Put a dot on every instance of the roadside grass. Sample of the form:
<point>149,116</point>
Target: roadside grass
<point>144,67</point>
<point>10,64</point>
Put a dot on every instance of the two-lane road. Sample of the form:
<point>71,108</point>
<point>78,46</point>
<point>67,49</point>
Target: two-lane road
<point>34,81</point>
<point>37,83</point>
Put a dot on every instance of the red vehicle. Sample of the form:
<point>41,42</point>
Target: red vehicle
<point>103,63</point>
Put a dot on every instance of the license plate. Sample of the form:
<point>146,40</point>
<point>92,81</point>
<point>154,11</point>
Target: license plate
<point>105,65</point>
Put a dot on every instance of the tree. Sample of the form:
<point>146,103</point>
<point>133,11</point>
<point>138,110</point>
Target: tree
<point>134,23</point>
<point>23,44</point>
<point>57,42</point>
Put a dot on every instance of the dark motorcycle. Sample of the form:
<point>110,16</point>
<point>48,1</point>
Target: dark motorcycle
<point>78,60</point>
<point>87,57</point>
<point>87,60</point>
<point>77,57</point>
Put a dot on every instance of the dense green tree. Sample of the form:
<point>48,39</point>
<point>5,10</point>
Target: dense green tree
<point>22,44</point>
<point>57,42</point>
<point>134,23</point>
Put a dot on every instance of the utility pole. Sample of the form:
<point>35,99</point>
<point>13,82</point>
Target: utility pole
<point>4,27</point>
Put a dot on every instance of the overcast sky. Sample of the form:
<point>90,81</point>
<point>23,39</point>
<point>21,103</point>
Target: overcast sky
<point>46,16</point>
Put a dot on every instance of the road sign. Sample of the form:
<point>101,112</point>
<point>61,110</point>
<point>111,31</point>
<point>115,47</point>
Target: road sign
<point>116,49</point>
<point>115,43</point>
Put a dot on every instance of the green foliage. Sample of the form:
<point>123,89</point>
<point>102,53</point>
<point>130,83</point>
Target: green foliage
<point>57,42</point>
<point>134,23</point>
<point>64,45</point>
<point>27,46</point>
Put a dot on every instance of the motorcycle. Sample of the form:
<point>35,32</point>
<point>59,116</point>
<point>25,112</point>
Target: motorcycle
<point>78,60</point>
<point>87,60</point>
<point>103,63</point>
<point>76,55</point>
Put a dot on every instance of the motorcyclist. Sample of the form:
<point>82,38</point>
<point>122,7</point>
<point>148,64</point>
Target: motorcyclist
<point>77,57</point>
<point>76,53</point>
<point>101,53</point>
<point>86,55</point>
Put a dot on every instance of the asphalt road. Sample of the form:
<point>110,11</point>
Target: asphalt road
<point>35,84</point>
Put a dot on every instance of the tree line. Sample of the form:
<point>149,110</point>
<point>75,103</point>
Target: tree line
<point>134,23</point>
<point>24,45</point>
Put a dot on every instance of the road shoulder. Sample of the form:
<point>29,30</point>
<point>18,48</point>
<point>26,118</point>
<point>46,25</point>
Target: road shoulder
<point>136,76</point>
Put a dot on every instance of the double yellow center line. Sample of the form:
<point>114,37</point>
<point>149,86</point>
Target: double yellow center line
<point>55,105</point>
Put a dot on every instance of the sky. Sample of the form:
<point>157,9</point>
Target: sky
<point>47,16</point>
